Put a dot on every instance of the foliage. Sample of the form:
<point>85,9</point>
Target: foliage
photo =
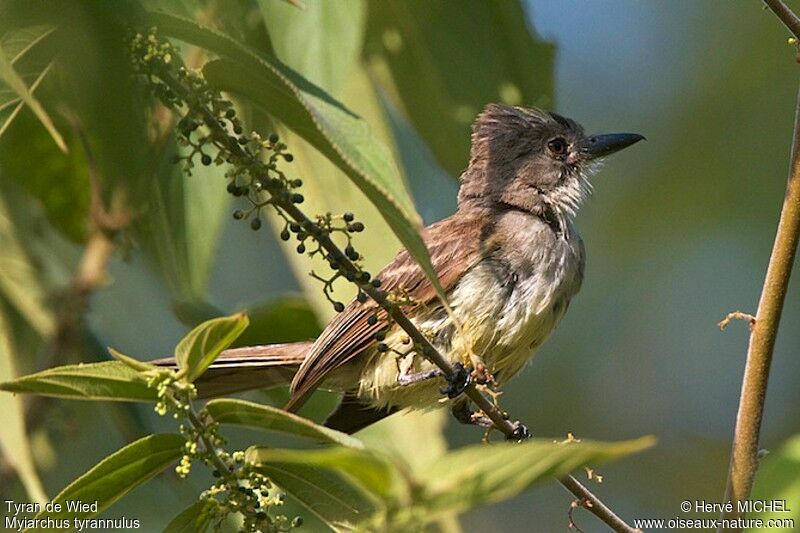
<point>346,484</point>
<point>70,65</point>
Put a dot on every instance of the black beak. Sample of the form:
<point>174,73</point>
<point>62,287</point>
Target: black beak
<point>606,144</point>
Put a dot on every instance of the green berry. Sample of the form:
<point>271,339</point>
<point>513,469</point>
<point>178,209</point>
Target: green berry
<point>297,198</point>
<point>285,235</point>
<point>238,214</point>
<point>255,224</point>
<point>383,347</point>
<point>348,217</point>
<point>273,138</point>
<point>288,157</point>
<point>376,283</point>
<point>372,320</point>
<point>301,248</point>
<point>338,307</point>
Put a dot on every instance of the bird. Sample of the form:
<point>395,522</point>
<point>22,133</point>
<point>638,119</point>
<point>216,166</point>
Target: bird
<point>509,259</point>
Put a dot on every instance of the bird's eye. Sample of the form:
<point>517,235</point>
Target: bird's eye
<point>557,146</point>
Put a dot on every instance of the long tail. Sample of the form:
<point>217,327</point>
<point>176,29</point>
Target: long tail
<point>260,367</point>
<point>252,367</point>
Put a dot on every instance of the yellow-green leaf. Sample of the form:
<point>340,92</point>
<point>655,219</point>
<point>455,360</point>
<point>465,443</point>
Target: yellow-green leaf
<point>254,415</point>
<point>109,380</point>
<point>115,476</point>
<point>197,350</point>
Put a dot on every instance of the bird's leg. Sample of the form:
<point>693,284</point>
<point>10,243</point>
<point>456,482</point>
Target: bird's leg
<point>458,381</point>
<point>409,379</point>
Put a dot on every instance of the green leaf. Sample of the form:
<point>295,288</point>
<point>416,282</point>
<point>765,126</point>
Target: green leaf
<point>427,54</point>
<point>332,34</point>
<point>109,380</point>
<point>117,475</point>
<point>480,474</point>
<point>17,44</point>
<point>19,282</point>
<point>14,442</point>
<point>312,113</point>
<point>14,82</point>
<point>341,486</point>
<point>254,415</point>
<point>193,519</point>
<point>778,478</point>
<point>135,364</point>
<point>203,344</point>
<point>182,228</point>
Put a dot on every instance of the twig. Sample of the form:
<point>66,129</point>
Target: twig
<point>744,455</point>
<point>737,315</point>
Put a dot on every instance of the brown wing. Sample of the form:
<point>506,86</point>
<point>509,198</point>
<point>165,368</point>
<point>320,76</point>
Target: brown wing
<point>455,245</point>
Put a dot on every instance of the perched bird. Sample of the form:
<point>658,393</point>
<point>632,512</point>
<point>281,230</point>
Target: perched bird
<point>509,259</point>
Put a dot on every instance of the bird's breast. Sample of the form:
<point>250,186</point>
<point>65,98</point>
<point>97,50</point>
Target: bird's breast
<point>509,307</point>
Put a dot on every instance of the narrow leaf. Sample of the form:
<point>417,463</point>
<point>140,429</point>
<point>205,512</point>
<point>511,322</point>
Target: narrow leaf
<point>13,80</point>
<point>14,442</point>
<point>250,414</point>
<point>139,366</point>
<point>203,344</point>
<point>109,380</point>
<point>19,280</point>
<point>117,475</point>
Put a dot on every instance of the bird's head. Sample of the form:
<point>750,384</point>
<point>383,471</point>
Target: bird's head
<point>534,160</point>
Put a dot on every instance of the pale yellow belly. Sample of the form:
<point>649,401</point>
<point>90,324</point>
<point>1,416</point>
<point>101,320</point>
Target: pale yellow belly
<point>503,325</point>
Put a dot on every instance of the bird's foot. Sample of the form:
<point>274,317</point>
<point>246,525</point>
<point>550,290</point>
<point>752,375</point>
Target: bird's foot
<point>482,376</point>
<point>465,415</point>
<point>458,381</point>
<point>411,378</point>
<point>520,433</point>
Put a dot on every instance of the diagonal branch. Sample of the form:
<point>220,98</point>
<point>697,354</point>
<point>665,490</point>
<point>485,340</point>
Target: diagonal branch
<point>744,455</point>
<point>787,16</point>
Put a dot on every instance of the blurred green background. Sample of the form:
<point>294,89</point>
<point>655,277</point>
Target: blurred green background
<point>678,231</point>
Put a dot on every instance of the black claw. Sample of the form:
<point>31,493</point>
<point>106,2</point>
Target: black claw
<point>458,381</point>
<point>520,433</point>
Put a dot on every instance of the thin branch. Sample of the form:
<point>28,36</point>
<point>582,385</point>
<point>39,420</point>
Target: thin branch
<point>744,455</point>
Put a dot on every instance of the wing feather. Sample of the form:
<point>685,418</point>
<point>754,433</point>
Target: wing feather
<point>455,245</point>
